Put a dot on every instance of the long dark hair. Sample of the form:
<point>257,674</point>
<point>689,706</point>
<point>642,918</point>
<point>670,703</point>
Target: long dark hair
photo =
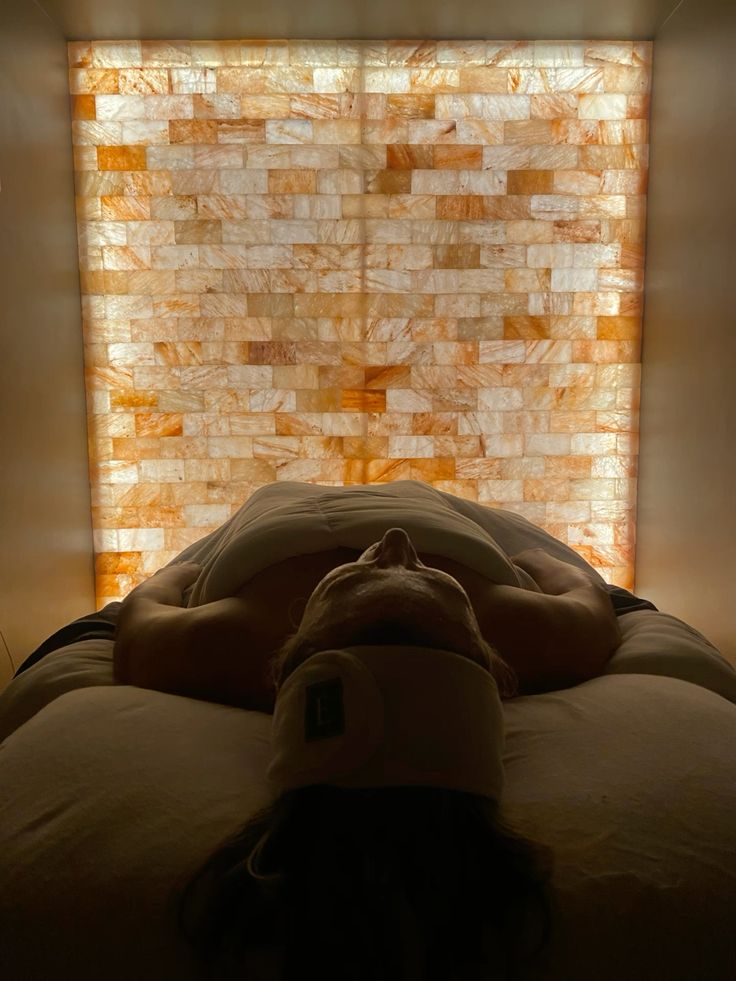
<point>346,883</point>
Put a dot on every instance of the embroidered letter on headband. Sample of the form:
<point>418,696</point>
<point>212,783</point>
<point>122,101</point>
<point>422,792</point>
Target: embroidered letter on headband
<point>389,716</point>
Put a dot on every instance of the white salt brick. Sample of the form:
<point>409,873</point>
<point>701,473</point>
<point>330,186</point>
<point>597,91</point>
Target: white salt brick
<point>499,398</point>
<point>598,106</point>
<point>503,107</point>
<point>407,400</point>
<point>595,444</point>
<point>548,444</point>
<point>501,352</point>
<point>500,490</point>
<point>550,256</point>
<point>559,54</point>
<point>105,540</point>
<point>203,515</point>
<point>574,280</point>
<point>119,106</point>
<point>385,80</point>
<point>410,446</point>
<point>140,539</point>
<point>503,446</point>
<point>282,131</point>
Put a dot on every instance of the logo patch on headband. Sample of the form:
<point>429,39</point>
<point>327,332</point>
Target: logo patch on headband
<point>324,713</point>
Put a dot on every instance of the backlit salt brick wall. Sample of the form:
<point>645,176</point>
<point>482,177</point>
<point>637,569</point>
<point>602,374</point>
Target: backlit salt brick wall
<point>347,262</point>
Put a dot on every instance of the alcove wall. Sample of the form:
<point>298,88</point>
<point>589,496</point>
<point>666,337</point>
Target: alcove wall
<point>686,533</point>
<point>686,519</point>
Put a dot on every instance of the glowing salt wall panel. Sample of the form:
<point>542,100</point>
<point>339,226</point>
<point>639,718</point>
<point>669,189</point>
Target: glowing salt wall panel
<point>347,262</point>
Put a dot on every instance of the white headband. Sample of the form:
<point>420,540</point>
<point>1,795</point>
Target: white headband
<point>389,716</point>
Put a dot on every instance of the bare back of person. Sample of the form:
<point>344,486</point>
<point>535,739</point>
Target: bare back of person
<point>222,651</point>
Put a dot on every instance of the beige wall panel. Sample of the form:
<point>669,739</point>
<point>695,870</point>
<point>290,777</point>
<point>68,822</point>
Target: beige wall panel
<point>45,533</point>
<point>412,19</point>
<point>686,556</point>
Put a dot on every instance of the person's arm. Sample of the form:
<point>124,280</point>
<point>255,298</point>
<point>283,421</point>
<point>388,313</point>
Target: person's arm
<point>558,637</point>
<point>208,652</point>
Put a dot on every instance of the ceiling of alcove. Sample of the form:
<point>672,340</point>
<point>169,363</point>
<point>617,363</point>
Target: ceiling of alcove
<point>520,19</point>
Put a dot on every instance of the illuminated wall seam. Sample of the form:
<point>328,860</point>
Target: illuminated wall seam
<point>346,262</point>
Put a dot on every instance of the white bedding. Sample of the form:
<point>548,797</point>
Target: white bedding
<point>111,796</point>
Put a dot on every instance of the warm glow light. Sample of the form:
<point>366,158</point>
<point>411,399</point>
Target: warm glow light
<point>348,262</point>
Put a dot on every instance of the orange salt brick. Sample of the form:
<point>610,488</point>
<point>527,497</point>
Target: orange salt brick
<point>272,352</point>
<point>273,304</point>
<point>320,305</point>
<point>494,81</point>
<point>419,106</point>
<point>527,132</point>
<point>315,105</point>
<point>530,181</point>
<point>370,447</point>
<point>158,423</point>
<point>120,207</point>
<point>434,423</point>
<point>382,471</point>
<point>129,399</point>
<point>595,352</point>
<point>198,232</point>
<point>85,81</point>
<point>632,256</point>
<point>143,448</point>
<point>364,401</point>
<point>458,157</point>
<point>431,470</point>
<point>457,447</point>
<point>573,467</point>
<point>241,130</point>
<point>355,471</point>
<point>618,328</point>
<point>192,131</point>
<point>411,54</point>
<point>110,586</point>
<point>577,231</point>
<point>525,327</point>
<point>144,81</point>
<point>79,54</point>
<point>112,563</point>
<point>627,231</point>
<point>378,205</point>
<point>92,281</point>
<point>507,207</point>
<point>572,422</point>
<point>453,207</point>
<point>340,376</point>
<point>456,257</point>
<point>121,157</point>
<point>631,304</point>
<point>117,281</point>
<point>157,516</point>
<point>637,106</point>
<point>388,182</point>
<point>547,489</point>
<point>324,400</point>
<point>558,106</point>
<point>409,156</point>
<point>392,376</point>
<point>83,107</point>
<point>292,182</point>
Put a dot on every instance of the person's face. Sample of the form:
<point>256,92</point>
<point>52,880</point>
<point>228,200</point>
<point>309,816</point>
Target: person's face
<point>387,596</point>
